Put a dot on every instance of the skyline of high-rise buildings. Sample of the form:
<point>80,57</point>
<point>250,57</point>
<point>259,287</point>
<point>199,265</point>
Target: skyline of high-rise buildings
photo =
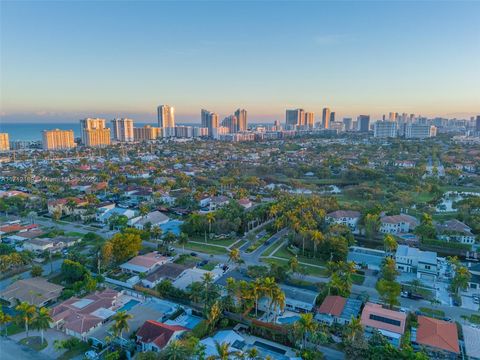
<point>325,117</point>
<point>57,139</point>
<point>94,132</point>
<point>122,129</point>
<point>166,116</point>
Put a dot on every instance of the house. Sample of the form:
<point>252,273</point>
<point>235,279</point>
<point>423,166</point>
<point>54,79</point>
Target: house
<point>364,257</point>
<point>154,218</point>
<point>142,264</point>
<point>103,215</point>
<point>65,206</point>
<point>344,217</point>
<point>36,291</point>
<point>474,283</point>
<point>154,335</point>
<point>298,299</point>
<point>455,231</point>
<point>55,244</point>
<point>78,317</point>
<point>17,228</point>
<point>413,260</point>
<point>194,275</point>
<point>337,309</point>
<point>390,323</point>
<point>439,338</point>
<point>397,224</point>
<point>170,271</point>
<point>217,202</point>
<point>471,341</point>
<point>204,201</point>
<point>245,203</point>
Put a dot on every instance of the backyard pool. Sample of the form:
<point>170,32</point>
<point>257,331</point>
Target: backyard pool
<point>288,319</point>
<point>129,305</point>
<point>172,226</point>
<point>269,348</point>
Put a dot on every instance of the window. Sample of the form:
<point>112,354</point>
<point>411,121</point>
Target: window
<point>427,267</point>
<point>385,320</point>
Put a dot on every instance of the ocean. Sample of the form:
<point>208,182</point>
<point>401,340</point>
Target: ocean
<point>33,131</point>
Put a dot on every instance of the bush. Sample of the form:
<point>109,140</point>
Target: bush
<point>201,330</point>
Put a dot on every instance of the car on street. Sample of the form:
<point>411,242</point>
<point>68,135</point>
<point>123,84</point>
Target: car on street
<point>193,254</point>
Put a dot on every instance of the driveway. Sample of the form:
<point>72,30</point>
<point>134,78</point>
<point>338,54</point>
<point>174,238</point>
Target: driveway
<point>10,350</point>
<point>50,335</point>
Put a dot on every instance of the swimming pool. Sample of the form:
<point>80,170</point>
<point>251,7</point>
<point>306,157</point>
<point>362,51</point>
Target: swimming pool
<point>269,347</point>
<point>288,319</point>
<point>172,226</point>
<point>129,305</point>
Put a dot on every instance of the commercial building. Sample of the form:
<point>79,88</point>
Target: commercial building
<point>231,122</point>
<point>420,131</point>
<point>295,117</point>
<point>209,120</point>
<point>241,115</point>
<point>363,123</point>
<point>310,120</point>
<point>146,133</point>
<point>166,116</point>
<point>348,124</point>
<point>325,118</point>
<point>58,139</point>
<point>184,131</point>
<point>94,132</point>
<point>200,132</point>
<point>123,129</point>
<point>4,142</point>
<point>332,117</point>
<point>385,129</point>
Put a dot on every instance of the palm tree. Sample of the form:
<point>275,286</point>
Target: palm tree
<point>156,232</point>
<point>253,354</point>
<point>304,327</point>
<point>293,264</point>
<point>317,238</point>
<point>210,219</point>
<point>223,351</point>
<point>121,323</point>
<point>175,351</point>
<point>26,312</point>
<point>207,284</point>
<point>4,320</point>
<point>258,289</point>
<point>183,240</point>
<point>234,255</point>
<point>41,321</point>
<point>195,290</point>
<point>353,329</point>
<point>278,302</point>
<point>214,315</point>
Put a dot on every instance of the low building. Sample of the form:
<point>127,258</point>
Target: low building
<point>194,275</point>
<point>144,264</point>
<point>413,260</point>
<point>437,337</point>
<point>36,291</point>
<point>397,224</point>
<point>55,244</point>
<point>337,309</point>
<point>365,257</point>
<point>155,218</point>
<point>103,214</point>
<point>344,217</point>
<point>245,203</point>
<point>218,201</point>
<point>390,323</point>
<point>154,335</point>
<point>168,271</point>
<point>471,341</point>
<point>65,206</point>
<point>78,317</point>
<point>455,231</point>
<point>298,299</point>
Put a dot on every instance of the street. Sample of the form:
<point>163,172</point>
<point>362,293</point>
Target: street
<point>10,350</point>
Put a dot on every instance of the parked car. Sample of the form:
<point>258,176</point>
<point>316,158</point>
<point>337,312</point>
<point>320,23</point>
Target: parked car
<point>404,294</point>
<point>193,254</point>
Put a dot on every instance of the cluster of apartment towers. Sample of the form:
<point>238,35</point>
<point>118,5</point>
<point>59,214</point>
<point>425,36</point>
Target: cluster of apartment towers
<point>95,132</point>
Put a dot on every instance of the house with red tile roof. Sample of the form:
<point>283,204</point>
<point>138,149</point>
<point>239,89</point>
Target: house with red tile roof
<point>144,263</point>
<point>390,323</point>
<point>337,309</point>
<point>154,335</point>
<point>78,317</point>
<point>439,338</point>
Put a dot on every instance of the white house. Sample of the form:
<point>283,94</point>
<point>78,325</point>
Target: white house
<point>455,231</point>
<point>344,217</point>
<point>155,218</point>
<point>397,224</point>
<point>413,260</point>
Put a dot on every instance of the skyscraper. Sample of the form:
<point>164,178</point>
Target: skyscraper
<point>294,118</point>
<point>420,131</point>
<point>209,120</point>
<point>477,125</point>
<point>241,115</point>
<point>325,118</point>
<point>94,132</point>
<point>310,119</point>
<point>166,116</point>
<point>363,123</point>
<point>146,133</point>
<point>4,142</point>
<point>232,123</point>
<point>123,129</point>
<point>385,129</point>
<point>332,116</point>
<point>58,139</point>
<point>348,124</point>
<point>392,116</point>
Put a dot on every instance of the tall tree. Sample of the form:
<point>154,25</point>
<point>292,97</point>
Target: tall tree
<point>121,323</point>
<point>25,314</point>
<point>41,321</point>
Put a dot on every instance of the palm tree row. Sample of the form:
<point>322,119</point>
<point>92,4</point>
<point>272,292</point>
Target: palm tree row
<point>36,318</point>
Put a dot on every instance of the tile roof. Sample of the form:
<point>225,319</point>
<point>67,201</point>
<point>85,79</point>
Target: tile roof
<point>438,334</point>
<point>35,291</point>
<point>344,214</point>
<point>158,333</point>
<point>332,305</point>
<point>374,315</point>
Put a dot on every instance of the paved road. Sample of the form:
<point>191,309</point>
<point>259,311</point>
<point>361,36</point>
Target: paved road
<point>10,350</point>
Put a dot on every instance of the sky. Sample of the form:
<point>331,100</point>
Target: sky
<point>62,61</point>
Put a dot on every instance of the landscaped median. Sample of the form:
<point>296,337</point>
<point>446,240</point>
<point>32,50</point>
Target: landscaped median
<point>34,342</point>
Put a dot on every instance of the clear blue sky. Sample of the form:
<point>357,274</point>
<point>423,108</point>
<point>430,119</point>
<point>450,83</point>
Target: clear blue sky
<point>67,60</point>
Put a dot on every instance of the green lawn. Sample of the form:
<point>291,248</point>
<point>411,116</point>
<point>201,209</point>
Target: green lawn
<point>358,279</point>
<point>474,318</point>
<point>209,267</point>
<point>284,253</point>
<point>270,249</point>
<point>240,244</point>
<point>432,312</point>
<point>80,349</point>
<point>309,270</point>
<point>34,342</point>
<point>13,329</point>
<point>74,234</point>
<point>205,248</point>
<point>222,242</point>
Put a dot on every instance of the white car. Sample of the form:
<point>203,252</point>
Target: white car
<point>91,355</point>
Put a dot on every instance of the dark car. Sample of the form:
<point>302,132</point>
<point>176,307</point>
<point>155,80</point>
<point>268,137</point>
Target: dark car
<point>193,254</point>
